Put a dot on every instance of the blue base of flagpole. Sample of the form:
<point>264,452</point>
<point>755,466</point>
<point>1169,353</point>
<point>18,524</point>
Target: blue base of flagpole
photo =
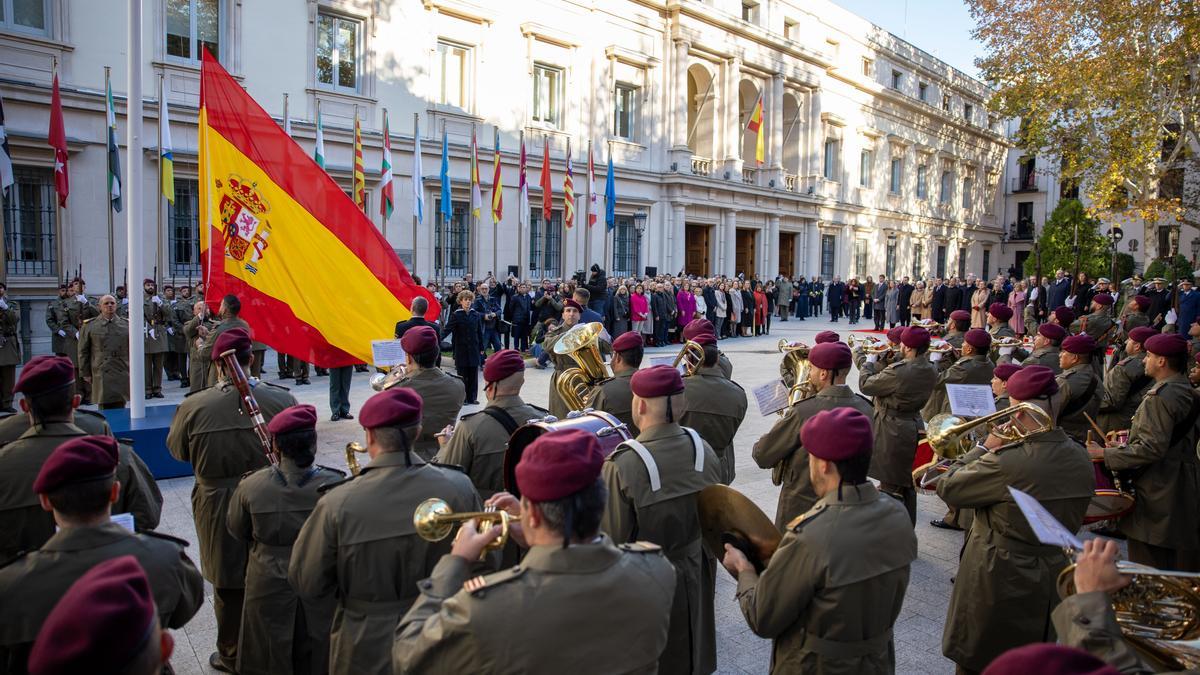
<point>149,436</point>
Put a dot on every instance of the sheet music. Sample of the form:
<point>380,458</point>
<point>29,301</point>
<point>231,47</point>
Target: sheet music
<point>1045,526</point>
<point>666,361</point>
<point>771,397</point>
<point>387,353</point>
<point>971,400</point>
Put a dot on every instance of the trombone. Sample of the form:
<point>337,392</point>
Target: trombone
<point>951,437</point>
<point>691,355</point>
<point>434,520</point>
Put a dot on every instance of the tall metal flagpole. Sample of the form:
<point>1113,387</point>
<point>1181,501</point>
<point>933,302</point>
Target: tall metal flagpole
<point>587,213</point>
<point>159,201</point>
<point>495,224</point>
<point>607,197</point>
<point>522,209</point>
<point>112,259</point>
<point>417,187</point>
<point>133,194</point>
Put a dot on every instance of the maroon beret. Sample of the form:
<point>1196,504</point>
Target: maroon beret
<point>570,303</point>
<point>630,339</point>
<point>79,460</point>
<point>100,624</point>
<point>1102,299</point>
<point>293,418</point>
<point>978,338</point>
<point>656,381</point>
<point>419,340</point>
<point>1142,333</point>
<point>1166,344</point>
<point>893,335</point>
<point>501,364</point>
<point>827,336</point>
<point>558,464</point>
<point>837,434</point>
<point>705,339</point>
<point>236,339</point>
<point>831,356</point>
<point>1053,331</point>
<point>1005,370</point>
<point>1001,312</point>
<point>45,374</point>
<point>1032,382</point>
<point>1046,658</point>
<point>915,337</point>
<point>1065,315</point>
<point>960,315</point>
<point>147,280</point>
<point>697,327</point>
<point>395,407</point>
<point>1142,301</point>
<point>1079,344</point>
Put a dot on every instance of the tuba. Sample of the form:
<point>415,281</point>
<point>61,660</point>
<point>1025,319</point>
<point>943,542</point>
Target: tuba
<point>691,355</point>
<point>351,461</point>
<point>581,343</point>
<point>434,520</point>
<point>951,437</point>
<point>795,362</point>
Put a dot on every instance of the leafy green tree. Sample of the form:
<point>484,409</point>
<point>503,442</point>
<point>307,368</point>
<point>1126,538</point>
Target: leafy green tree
<point>1057,243</point>
<point>1159,268</point>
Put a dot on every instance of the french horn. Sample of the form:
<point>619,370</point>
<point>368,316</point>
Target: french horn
<point>582,344</point>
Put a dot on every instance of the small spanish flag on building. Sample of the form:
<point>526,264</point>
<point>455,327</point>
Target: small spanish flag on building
<point>755,126</point>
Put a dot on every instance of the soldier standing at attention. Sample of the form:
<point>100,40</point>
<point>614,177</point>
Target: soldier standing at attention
<point>614,395</point>
<point>479,439</point>
<point>652,484</point>
<point>1163,530</point>
<point>79,309</point>
<point>10,348</point>
<point>47,385</point>
<point>194,331</point>
<point>900,390</point>
<point>179,312</point>
<point>834,587</point>
<point>573,580</point>
<point>780,449</point>
<point>211,432</point>
<point>155,314</point>
<point>1126,383</point>
<point>441,393</point>
<point>230,317</point>
<point>104,355</point>
<point>1079,387</point>
<point>360,544</point>
<point>58,322</point>
<point>1005,588</point>
<point>714,405</point>
<point>281,634</point>
<point>78,485</point>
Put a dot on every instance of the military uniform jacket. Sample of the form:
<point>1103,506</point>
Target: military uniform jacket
<point>780,450</point>
<point>1087,621</point>
<point>611,604</point>
<point>834,587</point>
<point>975,369</point>
<point>32,585</point>
<point>1166,476</point>
<point>180,313</point>
<point>1000,330</point>
<point>1079,392</point>
<point>956,340</point>
<point>104,356</point>
<point>266,513</point>
<point>360,546</point>
<point>653,498</point>
<point>716,406</point>
<point>479,441</point>
<point>1124,386</point>
<point>57,320</point>
<point>25,525</point>
<point>155,315</point>
<point>210,431</point>
<point>725,365</point>
<point>1099,325</point>
<point>10,342</point>
<point>1045,356</point>
<point>213,333</point>
<point>198,359</point>
<point>900,391</point>
<point>614,397</point>
<point>92,423</point>
<point>1005,588</point>
<point>442,398</point>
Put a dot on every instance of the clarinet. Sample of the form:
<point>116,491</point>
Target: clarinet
<point>249,406</point>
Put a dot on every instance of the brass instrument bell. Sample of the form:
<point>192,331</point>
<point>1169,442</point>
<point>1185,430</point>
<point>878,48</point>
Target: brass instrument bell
<point>351,461</point>
<point>795,360</point>
<point>691,355</point>
<point>582,344</point>
<point>385,381</point>
<point>951,437</point>
<point>1004,342</point>
<point>434,520</point>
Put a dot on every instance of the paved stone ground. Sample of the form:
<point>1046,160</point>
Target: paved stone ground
<point>918,631</point>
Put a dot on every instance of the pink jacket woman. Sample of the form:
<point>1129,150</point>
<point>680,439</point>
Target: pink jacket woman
<point>686,302</point>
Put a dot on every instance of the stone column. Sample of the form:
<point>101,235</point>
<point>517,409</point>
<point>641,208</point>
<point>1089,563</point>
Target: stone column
<point>772,246</point>
<point>843,252</point>
<point>676,246</point>
<point>813,263</point>
<point>730,120</point>
<point>730,242</point>
<point>680,94</point>
<point>776,141</point>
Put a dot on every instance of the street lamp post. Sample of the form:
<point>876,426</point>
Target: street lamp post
<point>1115,235</point>
<point>639,226</point>
<point>1173,244</point>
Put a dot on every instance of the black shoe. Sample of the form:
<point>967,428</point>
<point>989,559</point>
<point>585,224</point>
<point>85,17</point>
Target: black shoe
<point>347,416</point>
<point>9,409</point>
<point>184,384</point>
<point>335,417</point>
<point>303,381</point>
<point>943,525</point>
<point>216,663</point>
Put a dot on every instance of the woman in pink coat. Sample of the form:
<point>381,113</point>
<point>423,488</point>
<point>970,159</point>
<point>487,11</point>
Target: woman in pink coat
<point>1016,300</point>
<point>686,303</point>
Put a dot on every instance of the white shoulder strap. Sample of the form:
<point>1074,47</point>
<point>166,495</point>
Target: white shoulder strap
<point>651,466</point>
<point>699,446</point>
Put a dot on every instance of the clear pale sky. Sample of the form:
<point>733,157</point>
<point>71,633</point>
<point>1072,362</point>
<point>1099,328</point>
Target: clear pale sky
<point>940,27</point>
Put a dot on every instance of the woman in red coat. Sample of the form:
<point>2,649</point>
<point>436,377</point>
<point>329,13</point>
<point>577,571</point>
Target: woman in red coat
<point>760,309</point>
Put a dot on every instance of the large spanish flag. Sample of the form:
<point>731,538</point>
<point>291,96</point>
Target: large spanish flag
<point>315,278</point>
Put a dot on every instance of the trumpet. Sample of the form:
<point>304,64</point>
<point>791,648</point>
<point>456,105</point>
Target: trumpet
<point>351,461</point>
<point>1006,342</point>
<point>864,342</point>
<point>434,520</point>
<point>691,355</point>
<point>930,325</point>
<point>951,437</point>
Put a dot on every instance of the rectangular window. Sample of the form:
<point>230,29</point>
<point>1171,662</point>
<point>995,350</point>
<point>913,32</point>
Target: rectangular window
<point>451,247</point>
<point>191,25</point>
<point>29,223</point>
<point>1164,241</point>
<point>865,164</point>
<point>918,261</point>
<point>890,260</point>
<point>831,155</point>
<point>25,16</point>
<point>545,245</point>
<point>625,111</point>
<point>183,228</point>
<point>897,79</point>
<point>968,112</point>
<point>967,188</point>
<point>945,102</point>
<point>750,12</point>
<point>828,243</point>
<point>897,175</point>
<point>941,262</point>
<point>547,95</point>
<point>962,262</point>
<point>987,264</point>
<point>868,67</point>
<point>860,258</point>
<point>338,48</point>
<point>922,182</point>
<point>947,187</point>
<point>923,92</point>
<point>452,79</point>
<point>790,29</point>
<point>625,247</point>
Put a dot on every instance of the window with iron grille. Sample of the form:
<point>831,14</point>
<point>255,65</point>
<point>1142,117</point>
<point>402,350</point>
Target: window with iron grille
<point>183,229</point>
<point>452,242</point>
<point>30,224</point>
<point>545,245</point>
<point>625,248</point>
<point>828,242</point>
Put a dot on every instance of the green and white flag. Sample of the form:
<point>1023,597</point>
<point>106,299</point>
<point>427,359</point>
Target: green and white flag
<point>319,150</point>
<point>114,156</point>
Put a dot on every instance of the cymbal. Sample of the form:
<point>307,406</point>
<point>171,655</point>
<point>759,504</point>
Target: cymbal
<point>723,512</point>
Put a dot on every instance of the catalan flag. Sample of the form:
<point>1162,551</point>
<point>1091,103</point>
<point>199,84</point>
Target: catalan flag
<point>316,278</point>
<point>360,176</point>
<point>497,183</point>
<point>755,126</point>
<point>568,192</point>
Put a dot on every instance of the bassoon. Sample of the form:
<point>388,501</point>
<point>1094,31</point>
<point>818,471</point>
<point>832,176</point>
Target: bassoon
<point>249,406</point>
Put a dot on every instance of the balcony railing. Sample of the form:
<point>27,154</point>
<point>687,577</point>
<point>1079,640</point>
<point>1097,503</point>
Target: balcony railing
<point>1028,183</point>
<point>789,182</point>
<point>750,176</point>
<point>701,166</point>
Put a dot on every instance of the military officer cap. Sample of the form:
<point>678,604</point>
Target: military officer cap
<point>1079,344</point>
<point>698,327</point>
<point>570,303</point>
<point>1065,315</point>
<point>705,339</point>
<point>558,464</point>
<point>80,460</point>
<point>395,407</point>
<point>1005,370</point>
<point>893,335</point>
<point>831,356</point>
<point>1103,280</point>
<point>836,435</point>
<point>1142,301</point>
<point>502,364</point>
<point>419,340</point>
<point>103,621</point>
<point>960,315</point>
<point>1046,657</point>
<point>628,340</point>
<point>236,339</point>
<point>44,374</point>
<point>1166,344</point>
<point>914,337</point>
<point>1002,312</point>
<point>1185,280</point>
<point>294,418</point>
<point>656,381</point>
<point>827,336</point>
<point>1052,331</point>
<point>1031,383</point>
<point>1142,333</point>
<point>1104,299</point>
<point>978,338</point>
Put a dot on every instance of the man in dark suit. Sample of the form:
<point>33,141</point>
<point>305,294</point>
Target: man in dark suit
<point>710,302</point>
<point>834,294</point>
<point>1060,288</point>
<point>419,307</point>
<point>937,305</point>
<point>954,295</point>
<point>903,299</point>
<point>968,289</point>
